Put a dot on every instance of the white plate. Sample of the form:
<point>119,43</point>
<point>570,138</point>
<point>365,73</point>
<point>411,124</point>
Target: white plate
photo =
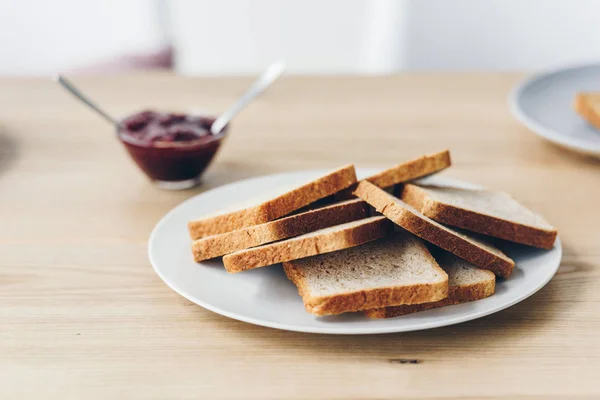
<point>265,297</point>
<point>544,103</point>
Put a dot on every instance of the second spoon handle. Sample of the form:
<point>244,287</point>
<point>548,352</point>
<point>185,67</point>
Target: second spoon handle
<point>264,81</point>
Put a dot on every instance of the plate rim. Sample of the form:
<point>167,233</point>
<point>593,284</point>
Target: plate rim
<point>548,133</point>
<point>362,330</point>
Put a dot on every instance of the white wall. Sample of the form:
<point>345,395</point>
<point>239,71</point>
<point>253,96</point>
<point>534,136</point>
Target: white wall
<point>314,36</point>
<point>379,36</point>
<point>501,34</point>
<point>42,37</point>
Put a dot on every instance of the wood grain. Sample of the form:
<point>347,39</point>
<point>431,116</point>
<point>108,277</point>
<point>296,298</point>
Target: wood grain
<point>84,316</point>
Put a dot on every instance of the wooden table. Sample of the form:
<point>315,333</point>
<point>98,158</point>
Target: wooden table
<point>84,316</point>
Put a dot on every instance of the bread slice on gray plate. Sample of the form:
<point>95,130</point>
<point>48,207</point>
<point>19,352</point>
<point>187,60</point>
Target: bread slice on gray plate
<point>420,167</point>
<point>476,251</point>
<point>483,211</point>
<point>322,241</point>
<point>391,271</point>
<point>294,225</point>
<point>466,283</point>
<point>275,207</point>
<point>588,106</point>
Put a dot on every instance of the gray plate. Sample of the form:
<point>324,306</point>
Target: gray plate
<point>544,103</point>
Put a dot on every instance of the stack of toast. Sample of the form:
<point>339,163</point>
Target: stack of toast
<point>386,246</point>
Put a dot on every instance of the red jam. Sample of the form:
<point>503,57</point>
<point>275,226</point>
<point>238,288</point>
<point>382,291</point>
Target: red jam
<point>170,147</point>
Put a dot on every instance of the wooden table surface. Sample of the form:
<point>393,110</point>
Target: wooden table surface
<point>84,316</point>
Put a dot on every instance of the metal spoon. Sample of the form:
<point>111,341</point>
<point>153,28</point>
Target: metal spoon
<point>270,75</point>
<point>75,92</point>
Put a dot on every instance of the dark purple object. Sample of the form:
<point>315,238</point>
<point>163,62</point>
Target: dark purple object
<point>170,147</point>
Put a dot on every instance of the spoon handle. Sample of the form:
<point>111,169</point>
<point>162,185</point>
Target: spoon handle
<point>75,92</point>
<point>264,81</point>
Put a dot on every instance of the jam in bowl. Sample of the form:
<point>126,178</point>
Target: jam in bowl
<point>172,149</point>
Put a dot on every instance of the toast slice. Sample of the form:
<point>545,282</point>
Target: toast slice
<point>275,207</point>
<point>322,241</point>
<point>418,168</point>
<point>294,225</point>
<point>409,170</point>
<point>395,270</point>
<point>466,283</point>
<point>483,211</point>
<point>476,251</point>
<point>588,106</point>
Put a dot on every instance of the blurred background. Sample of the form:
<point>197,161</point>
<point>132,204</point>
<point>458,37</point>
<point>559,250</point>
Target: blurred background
<point>240,37</point>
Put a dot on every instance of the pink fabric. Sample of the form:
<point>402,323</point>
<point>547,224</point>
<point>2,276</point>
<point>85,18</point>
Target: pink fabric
<point>158,60</point>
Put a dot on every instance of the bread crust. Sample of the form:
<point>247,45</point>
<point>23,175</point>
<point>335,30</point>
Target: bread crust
<point>477,222</point>
<point>367,299</point>
<point>305,246</point>
<point>420,167</point>
<point>430,231</point>
<point>294,225</point>
<point>276,207</point>
<point>456,295</point>
<point>584,106</point>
